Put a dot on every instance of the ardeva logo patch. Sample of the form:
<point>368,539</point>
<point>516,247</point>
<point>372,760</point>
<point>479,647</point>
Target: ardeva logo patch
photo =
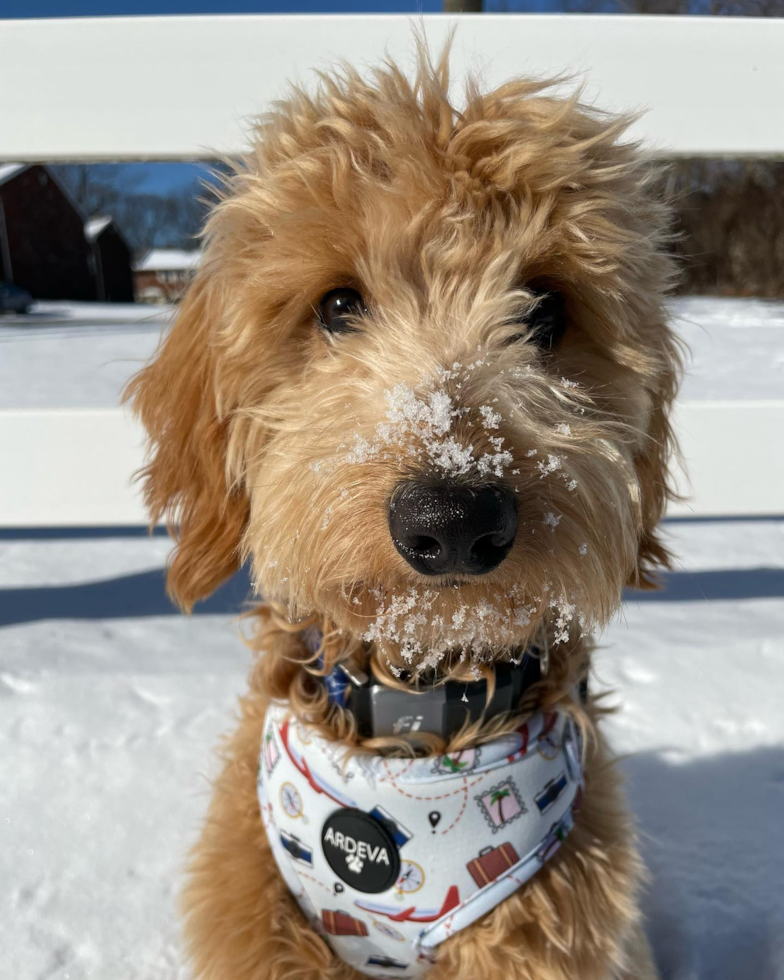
<point>360,850</point>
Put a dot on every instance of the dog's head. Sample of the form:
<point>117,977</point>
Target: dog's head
<point>423,376</point>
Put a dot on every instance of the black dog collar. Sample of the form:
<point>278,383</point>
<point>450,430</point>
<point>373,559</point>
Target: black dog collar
<point>437,709</point>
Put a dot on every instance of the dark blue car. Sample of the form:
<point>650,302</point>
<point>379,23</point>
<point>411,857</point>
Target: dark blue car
<point>13,299</point>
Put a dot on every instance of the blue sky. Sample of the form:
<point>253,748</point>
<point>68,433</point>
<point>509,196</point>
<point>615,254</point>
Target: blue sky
<point>105,8</point>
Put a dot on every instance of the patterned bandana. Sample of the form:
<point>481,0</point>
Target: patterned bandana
<point>387,858</point>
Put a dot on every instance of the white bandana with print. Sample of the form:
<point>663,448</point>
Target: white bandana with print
<point>387,858</point>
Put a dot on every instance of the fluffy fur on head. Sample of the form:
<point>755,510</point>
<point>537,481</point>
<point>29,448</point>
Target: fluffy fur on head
<point>278,442</point>
<point>273,441</point>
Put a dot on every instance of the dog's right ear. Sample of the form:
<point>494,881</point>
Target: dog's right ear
<point>185,474</point>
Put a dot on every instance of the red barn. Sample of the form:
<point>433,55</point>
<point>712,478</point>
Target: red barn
<point>49,248</point>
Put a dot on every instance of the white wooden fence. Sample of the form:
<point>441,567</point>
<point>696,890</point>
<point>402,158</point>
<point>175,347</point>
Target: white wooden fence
<point>168,88</point>
<point>71,468</point>
<point>171,88</point>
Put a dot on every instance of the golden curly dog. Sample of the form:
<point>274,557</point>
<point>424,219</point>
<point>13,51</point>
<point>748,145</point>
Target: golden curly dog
<point>402,300</point>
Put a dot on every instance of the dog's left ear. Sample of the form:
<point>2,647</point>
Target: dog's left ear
<point>185,478</point>
<point>652,464</point>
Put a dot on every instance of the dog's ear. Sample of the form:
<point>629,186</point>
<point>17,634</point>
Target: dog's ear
<point>652,464</point>
<point>185,475</point>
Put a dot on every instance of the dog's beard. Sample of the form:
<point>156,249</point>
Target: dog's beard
<point>421,627</point>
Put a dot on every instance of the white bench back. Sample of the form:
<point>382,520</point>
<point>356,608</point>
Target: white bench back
<point>171,88</point>
<point>174,88</point>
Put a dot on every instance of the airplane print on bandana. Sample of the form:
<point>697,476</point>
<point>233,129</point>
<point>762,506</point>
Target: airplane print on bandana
<point>412,913</point>
<point>501,804</point>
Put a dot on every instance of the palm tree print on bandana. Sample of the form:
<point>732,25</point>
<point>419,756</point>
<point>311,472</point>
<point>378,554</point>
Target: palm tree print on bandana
<point>501,804</point>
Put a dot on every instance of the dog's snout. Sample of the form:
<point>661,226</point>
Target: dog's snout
<point>452,529</point>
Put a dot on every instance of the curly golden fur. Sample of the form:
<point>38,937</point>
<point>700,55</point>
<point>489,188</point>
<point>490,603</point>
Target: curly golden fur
<point>276,443</point>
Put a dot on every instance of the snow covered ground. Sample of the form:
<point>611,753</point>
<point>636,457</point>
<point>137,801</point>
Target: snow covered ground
<point>111,703</point>
<point>83,353</point>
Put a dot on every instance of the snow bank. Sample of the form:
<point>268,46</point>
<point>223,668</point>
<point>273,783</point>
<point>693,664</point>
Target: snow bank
<point>110,724</point>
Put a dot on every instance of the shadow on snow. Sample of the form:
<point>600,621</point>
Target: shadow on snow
<point>144,594</point>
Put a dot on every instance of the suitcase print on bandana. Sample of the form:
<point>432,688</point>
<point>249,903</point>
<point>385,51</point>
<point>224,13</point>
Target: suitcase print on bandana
<point>501,804</point>
<point>492,863</point>
<point>342,924</point>
<point>551,792</point>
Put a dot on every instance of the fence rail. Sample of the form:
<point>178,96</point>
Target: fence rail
<point>71,468</point>
<point>172,88</point>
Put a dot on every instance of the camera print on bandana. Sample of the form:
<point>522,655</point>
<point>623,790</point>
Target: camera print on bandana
<point>385,962</point>
<point>551,791</point>
<point>296,849</point>
<point>399,833</point>
<point>501,804</point>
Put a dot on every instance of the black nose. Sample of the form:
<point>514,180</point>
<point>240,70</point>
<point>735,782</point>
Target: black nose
<point>452,529</point>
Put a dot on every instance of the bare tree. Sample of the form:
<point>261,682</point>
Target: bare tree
<point>146,220</point>
<point>96,187</point>
<point>463,6</point>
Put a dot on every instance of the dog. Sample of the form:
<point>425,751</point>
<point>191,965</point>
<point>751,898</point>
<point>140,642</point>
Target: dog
<point>421,386</point>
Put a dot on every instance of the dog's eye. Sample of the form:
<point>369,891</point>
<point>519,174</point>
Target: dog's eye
<point>338,308</point>
<point>547,320</point>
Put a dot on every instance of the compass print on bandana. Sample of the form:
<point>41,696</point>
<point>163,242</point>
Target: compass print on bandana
<point>410,880</point>
<point>501,804</point>
<point>290,800</point>
<point>548,747</point>
<point>548,743</point>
